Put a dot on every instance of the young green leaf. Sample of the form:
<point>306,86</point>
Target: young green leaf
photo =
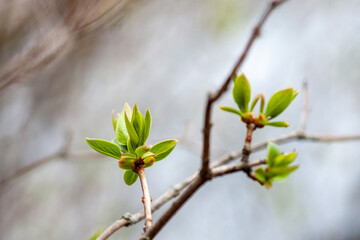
<point>140,151</point>
<point>130,177</point>
<point>131,130</point>
<point>121,131</point>
<point>273,152</point>
<point>130,146</point>
<point>231,110</point>
<point>163,149</point>
<point>163,155</point>
<point>280,178</point>
<point>143,131</point>
<point>279,102</point>
<point>277,124</point>
<point>104,147</point>
<point>137,122</point>
<point>284,159</point>
<point>242,93</point>
<point>147,126</point>
<point>281,171</point>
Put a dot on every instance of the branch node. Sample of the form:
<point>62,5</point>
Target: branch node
<point>205,173</point>
<point>300,134</point>
<point>129,218</point>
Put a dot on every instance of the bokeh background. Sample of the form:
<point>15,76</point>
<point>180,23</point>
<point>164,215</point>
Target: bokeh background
<point>66,64</point>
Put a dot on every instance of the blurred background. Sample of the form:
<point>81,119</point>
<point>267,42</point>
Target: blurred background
<point>66,64</point>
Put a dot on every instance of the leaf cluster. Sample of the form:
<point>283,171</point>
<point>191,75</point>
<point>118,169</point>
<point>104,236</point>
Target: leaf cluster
<point>278,102</point>
<point>278,168</point>
<point>131,132</point>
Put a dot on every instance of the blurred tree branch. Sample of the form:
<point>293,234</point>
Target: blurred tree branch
<point>78,17</point>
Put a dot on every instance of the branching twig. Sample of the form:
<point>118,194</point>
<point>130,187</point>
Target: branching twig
<point>215,96</point>
<point>176,189</point>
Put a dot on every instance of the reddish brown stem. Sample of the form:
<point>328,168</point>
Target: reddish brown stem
<point>146,199</point>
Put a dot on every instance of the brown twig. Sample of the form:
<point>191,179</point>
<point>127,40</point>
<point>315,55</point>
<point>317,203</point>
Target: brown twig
<point>205,173</point>
<point>146,199</point>
<point>215,96</point>
<point>246,151</point>
<point>247,146</point>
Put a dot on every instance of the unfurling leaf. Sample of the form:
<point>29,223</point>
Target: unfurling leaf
<point>104,147</point>
<point>279,102</point>
<point>130,177</point>
<point>137,121</point>
<point>131,130</point>
<point>147,126</point>
<point>121,132</point>
<point>230,109</point>
<point>163,149</point>
<point>242,93</point>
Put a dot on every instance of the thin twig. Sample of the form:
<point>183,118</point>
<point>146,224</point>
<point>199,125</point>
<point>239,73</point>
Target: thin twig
<point>215,96</point>
<point>247,145</point>
<point>246,151</point>
<point>205,173</point>
<point>146,199</point>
